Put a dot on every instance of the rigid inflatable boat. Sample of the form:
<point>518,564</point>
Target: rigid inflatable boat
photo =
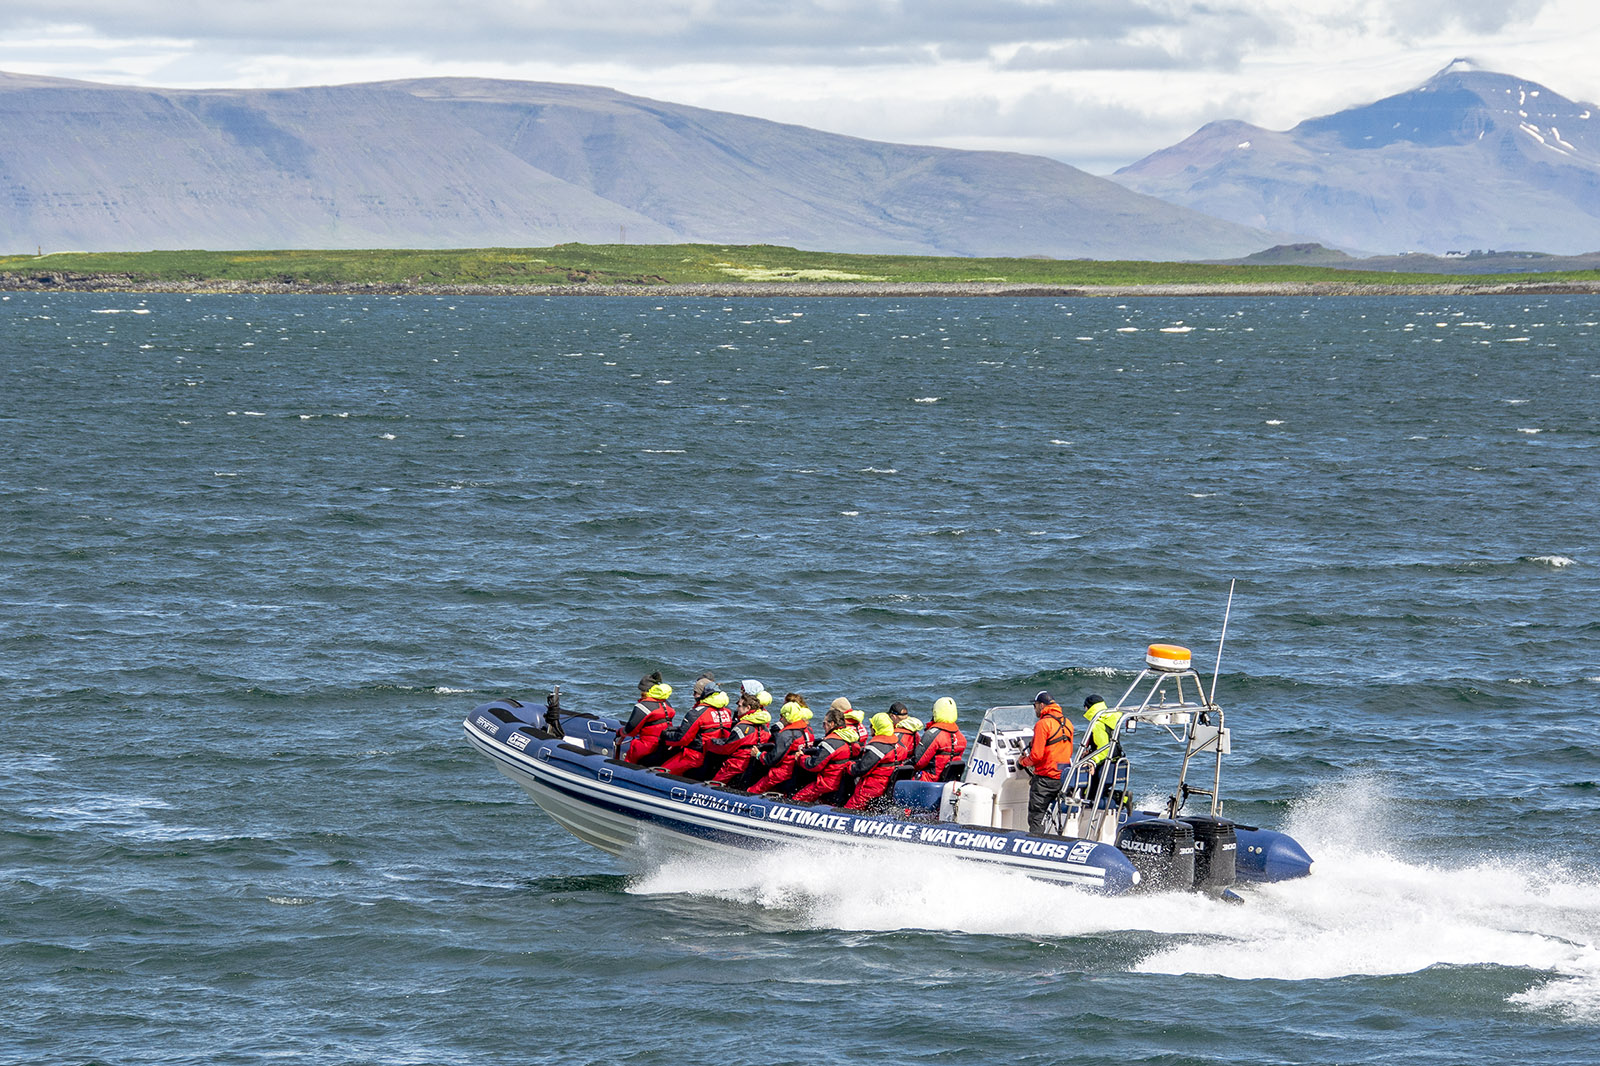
<point>1093,837</point>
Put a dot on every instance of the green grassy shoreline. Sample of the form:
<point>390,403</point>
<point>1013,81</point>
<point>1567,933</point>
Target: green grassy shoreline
<point>582,266</point>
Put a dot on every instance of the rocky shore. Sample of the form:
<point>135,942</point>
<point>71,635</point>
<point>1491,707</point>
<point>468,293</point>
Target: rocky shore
<point>65,281</point>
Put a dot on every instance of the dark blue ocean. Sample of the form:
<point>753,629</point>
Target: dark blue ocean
<point>261,556</point>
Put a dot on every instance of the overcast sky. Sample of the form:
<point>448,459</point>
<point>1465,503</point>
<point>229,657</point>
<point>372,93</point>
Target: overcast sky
<point>1096,83</point>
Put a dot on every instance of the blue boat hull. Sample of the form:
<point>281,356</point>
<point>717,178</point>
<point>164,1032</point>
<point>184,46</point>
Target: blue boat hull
<point>618,807</point>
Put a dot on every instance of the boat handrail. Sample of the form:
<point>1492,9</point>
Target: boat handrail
<point>1194,721</point>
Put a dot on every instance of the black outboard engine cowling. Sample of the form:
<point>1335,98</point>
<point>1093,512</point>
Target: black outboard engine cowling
<point>1216,853</point>
<point>1162,850</point>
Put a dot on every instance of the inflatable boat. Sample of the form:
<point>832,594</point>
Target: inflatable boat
<point>1093,838</point>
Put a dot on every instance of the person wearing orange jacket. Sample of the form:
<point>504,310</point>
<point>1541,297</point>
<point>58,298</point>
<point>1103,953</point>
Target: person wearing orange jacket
<point>828,758</point>
<point>1050,751</point>
<point>648,719</point>
<point>941,741</point>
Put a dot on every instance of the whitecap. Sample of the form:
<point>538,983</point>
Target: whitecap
<point>849,514</point>
<point>1274,421</point>
<point>925,399</point>
<point>1127,329</point>
<point>1530,430</point>
<point>290,901</point>
<point>1365,911</point>
<point>386,436</point>
<point>1177,329</point>
<point>443,690</point>
<point>1200,495</point>
<point>1555,562</point>
<point>878,470</point>
<point>665,451</point>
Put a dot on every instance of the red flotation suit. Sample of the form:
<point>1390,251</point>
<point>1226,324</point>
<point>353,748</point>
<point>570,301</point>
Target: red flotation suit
<point>828,760</point>
<point>740,745</point>
<point>784,757</point>
<point>940,742</point>
<point>650,718</point>
<point>710,723</point>
<point>879,759</point>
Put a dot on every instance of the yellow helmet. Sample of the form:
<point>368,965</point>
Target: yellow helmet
<point>718,699</point>
<point>661,691</point>
<point>795,712</point>
<point>882,725</point>
<point>944,709</point>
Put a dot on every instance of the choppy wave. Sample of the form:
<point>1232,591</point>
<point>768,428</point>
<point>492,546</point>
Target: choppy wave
<point>228,691</point>
<point>1555,562</point>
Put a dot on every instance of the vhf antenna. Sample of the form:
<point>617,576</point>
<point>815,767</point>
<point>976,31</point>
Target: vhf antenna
<point>1211,700</point>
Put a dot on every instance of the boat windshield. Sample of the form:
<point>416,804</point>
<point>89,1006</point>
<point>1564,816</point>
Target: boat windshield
<point>1008,719</point>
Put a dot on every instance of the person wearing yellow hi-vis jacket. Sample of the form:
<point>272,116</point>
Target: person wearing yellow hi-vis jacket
<point>1103,748</point>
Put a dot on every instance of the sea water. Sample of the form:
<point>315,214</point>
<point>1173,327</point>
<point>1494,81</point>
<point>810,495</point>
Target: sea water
<point>262,555</point>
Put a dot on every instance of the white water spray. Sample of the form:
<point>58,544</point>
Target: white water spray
<point>1364,911</point>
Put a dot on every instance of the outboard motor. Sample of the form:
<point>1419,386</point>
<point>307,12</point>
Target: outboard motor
<point>1162,850</point>
<point>1216,853</point>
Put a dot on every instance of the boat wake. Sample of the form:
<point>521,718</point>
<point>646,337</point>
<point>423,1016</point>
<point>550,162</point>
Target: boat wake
<point>1366,911</point>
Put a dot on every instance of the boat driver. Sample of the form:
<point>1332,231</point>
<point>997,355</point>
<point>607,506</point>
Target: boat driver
<point>1050,751</point>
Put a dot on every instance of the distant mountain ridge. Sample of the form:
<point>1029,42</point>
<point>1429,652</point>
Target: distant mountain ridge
<point>1471,159</point>
<point>474,162</point>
